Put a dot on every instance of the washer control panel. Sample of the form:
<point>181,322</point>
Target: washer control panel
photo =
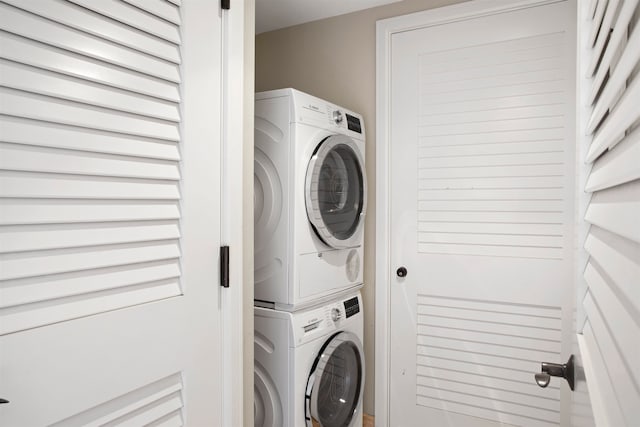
<point>314,322</point>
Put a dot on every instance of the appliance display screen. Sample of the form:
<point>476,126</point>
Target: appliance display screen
<point>351,307</point>
<point>353,123</point>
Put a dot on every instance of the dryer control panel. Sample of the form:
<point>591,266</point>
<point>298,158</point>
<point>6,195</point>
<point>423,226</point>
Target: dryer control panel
<point>315,111</point>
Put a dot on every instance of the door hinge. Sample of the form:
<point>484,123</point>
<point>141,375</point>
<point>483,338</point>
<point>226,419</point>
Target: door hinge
<point>224,266</point>
<point>225,4</point>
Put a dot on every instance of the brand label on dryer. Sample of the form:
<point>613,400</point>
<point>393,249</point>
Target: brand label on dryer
<point>312,108</point>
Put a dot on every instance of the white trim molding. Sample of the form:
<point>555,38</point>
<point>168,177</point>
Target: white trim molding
<point>232,223</point>
<point>385,29</point>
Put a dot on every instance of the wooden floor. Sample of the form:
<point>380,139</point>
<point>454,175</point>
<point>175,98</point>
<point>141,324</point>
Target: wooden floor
<point>367,421</point>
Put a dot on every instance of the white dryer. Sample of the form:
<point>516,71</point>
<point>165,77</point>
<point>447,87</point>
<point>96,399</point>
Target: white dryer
<point>309,365</point>
<point>310,199</point>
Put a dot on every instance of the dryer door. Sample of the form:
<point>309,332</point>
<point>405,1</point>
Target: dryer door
<point>336,192</point>
<point>335,386</point>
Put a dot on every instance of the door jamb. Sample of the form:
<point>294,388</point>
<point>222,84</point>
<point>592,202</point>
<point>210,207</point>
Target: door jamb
<point>237,108</point>
<point>385,29</point>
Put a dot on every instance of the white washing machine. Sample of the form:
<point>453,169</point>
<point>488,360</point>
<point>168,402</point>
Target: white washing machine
<point>310,199</point>
<point>309,365</point>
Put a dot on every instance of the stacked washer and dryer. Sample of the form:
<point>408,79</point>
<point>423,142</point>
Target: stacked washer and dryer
<point>310,202</point>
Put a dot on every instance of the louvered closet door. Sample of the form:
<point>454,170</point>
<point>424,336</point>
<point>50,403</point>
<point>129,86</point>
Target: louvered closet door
<point>610,144</point>
<point>109,212</point>
<point>481,203</point>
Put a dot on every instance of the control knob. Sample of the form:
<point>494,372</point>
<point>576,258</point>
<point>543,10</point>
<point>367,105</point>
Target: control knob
<point>337,116</point>
<point>335,314</point>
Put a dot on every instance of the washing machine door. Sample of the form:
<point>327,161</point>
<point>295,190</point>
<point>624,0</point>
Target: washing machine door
<point>267,407</point>
<point>336,192</point>
<point>335,385</point>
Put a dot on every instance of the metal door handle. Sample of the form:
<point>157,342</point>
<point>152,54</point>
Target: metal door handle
<point>3,401</point>
<point>548,370</point>
<point>542,379</point>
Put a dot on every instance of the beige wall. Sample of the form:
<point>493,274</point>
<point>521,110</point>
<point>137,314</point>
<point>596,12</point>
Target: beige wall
<point>334,59</point>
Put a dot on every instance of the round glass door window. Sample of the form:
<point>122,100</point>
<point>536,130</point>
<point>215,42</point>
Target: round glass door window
<point>336,192</point>
<point>335,384</point>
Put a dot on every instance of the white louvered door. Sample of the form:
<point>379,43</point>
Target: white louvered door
<point>482,217</point>
<point>110,212</point>
<point>609,143</point>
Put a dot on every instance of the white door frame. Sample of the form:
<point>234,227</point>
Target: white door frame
<point>233,174</point>
<point>385,29</point>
